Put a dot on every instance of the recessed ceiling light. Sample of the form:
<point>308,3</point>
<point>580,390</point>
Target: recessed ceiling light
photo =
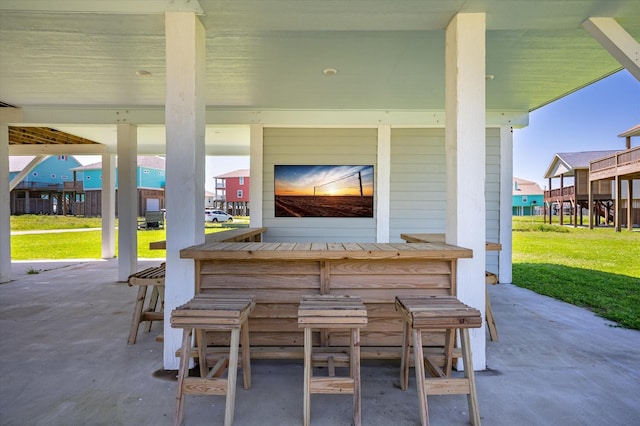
<point>329,71</point>
<point>143,73</point>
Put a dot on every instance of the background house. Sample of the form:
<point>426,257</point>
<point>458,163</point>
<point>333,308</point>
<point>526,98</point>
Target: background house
<point>568,192</point>
<point>150,182</point>
<point>232,192</point>
<point>42,190</point>
<point>527,198</point>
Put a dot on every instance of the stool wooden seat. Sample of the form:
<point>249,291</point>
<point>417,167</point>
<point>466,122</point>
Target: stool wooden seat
<point>432,313</point>
<point>332,312</point>
<point>151,277</point>
<point>218,313</point>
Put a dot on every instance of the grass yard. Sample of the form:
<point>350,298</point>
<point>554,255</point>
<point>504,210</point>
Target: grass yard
<point>597,269</point>
<point>80,245</point>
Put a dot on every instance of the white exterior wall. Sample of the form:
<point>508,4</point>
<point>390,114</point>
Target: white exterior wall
<point>492,195</point>
<point>306,146</point>
<point>418,182</point>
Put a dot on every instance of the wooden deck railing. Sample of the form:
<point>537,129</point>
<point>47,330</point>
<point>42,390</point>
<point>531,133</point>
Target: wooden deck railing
<point>559,192</point>
<point>74,185</point>
<point>618,164</point>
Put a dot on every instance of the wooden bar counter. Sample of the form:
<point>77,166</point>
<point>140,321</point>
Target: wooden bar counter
<point>279,274</point>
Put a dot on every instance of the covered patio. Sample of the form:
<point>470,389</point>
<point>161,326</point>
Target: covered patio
<point>64,360</point>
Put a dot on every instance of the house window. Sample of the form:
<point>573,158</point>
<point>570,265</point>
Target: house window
<point>146,171</point>
<point>53,175</point>
<point>239,193</point>
<point>525,199</point>
<point>241,180</point>
<point>34,174</point>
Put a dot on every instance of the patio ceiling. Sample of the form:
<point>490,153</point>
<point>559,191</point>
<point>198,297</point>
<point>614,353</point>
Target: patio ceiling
<point>74,65</point>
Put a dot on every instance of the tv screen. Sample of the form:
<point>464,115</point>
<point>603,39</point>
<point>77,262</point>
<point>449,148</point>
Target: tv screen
<point>323,191</point>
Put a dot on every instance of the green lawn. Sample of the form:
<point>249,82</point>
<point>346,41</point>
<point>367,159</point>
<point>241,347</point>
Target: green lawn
<point>598,269</point>
<point>80,245</point>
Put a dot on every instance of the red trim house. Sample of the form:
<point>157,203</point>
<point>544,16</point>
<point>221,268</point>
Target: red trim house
<point>232,192</point>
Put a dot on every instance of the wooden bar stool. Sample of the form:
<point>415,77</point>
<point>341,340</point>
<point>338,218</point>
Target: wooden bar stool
<point>492,279</point>
<point>218,313</point>
<point>332,312</point>
<point>151,277</point>
<point>434,313</point>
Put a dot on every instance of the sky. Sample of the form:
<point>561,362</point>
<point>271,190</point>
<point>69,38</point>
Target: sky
<point>589,119</point>
<point>323,180</point>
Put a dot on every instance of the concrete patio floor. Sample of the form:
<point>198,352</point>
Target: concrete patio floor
<point>64,360</point>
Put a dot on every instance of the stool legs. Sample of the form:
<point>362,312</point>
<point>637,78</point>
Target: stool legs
<point>137,314</point>
<point>183,372</point>
<point>246,356</point>
<point>353,382</point>
<point>228,388</point>
<point>404,360</point>
<point>420,383</point>
<point>354,366</point>
<point>308,367</point>
<point>472,398</point>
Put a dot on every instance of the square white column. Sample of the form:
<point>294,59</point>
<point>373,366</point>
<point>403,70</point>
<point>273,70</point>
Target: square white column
<point>5,209</point>
<point>127,200</point>
<point>465,157</point>
<point>506,201</point>
<point>185,166</point>
<point>108,206</point>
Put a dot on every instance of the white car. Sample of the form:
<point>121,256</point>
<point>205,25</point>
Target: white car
<point>217,216</point>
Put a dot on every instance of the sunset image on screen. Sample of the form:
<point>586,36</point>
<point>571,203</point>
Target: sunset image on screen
<point>323,191</point>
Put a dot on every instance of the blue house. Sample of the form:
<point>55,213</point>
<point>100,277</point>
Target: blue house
<point>527,198</point>
<point>42,190</point>
<point>150,181</point>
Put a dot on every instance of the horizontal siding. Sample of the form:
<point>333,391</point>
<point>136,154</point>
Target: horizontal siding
<point>304,146</point>
<point>418,182</point>
<point>492,196</point>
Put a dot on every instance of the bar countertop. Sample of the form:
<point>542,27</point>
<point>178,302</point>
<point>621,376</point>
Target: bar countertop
<point>323,251</point>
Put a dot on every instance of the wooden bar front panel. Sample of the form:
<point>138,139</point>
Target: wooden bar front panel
<point>278,286</point>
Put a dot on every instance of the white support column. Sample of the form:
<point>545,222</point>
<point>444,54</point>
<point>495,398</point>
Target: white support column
<point>619,43</point>
<point>5,207</point>
<point>127,200</point>
<point>108,203</point>
<point>465,156</point>
<point>383,184</point>
<point>506,199</point>
<point>185,124</point>
<point>256,153</point>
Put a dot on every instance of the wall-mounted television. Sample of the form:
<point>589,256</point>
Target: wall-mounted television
<point>323,191</point>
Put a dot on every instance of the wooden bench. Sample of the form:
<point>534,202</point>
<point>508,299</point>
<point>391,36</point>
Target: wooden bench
<point>436,313</point>
<point>230,236</point>
<point>154,311</point>
<point>332,312</point>
<point>205,313</point>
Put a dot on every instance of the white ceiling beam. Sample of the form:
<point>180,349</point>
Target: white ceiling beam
<point>58,149</point>
<point>110,7</point>
<point>616,41</point>
<point>59,117</point>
